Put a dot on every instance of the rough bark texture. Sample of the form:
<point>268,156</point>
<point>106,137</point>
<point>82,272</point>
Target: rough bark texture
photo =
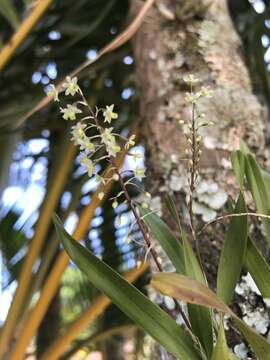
<point>178,38</point>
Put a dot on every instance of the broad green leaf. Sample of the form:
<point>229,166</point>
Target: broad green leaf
<point>221,350</point>
<point>162,233</point>
<point>258,268</point>
<point>200,317</point>
<point>233,253</point>
<point>186,289</point>
<point>130,300</point>
<point>257,187</point>
<point>238,164</point>
<point>8,10</point>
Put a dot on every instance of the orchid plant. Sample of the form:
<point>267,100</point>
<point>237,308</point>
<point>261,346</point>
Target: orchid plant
<point>201,335</point>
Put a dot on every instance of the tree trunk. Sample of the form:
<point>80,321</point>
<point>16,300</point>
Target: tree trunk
<point>178,38</point>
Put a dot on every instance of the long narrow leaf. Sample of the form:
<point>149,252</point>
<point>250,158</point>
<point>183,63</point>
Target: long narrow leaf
<point>221,350</point>
<point>266,176</point>
<point>189,290</point>
<point>233,253</point>
<point>258,268</point>
<point>162,233</point>
<point>238,164</point>
<point>259,344</point>
<point>130,300</point>
<point>173,210</point>
<point>257,187</point>
<point>200,317</point>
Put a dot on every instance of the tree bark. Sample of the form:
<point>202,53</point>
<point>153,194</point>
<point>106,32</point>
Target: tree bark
<point>178,38</point>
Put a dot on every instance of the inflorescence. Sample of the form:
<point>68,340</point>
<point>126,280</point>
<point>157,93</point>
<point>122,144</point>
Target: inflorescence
<point>194,139</point>
<point>108,143</point>
<point>104,141</point>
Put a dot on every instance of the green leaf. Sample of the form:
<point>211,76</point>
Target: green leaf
<point>266,178</point>
<point>221,350</point>
<point>238,164</point>
<point>258,189</point>
<point>259,344</point>
<point>162,233</point>
<point>8,10</point>
<point>130,300</point>
<point>192,266</point>
<point>186,289</point>
<point>258,268</point>
<point>233,253</point>
<point>200,317</point>
<point>230,205</point>
<point>244,148</point>
<point>173,210</point>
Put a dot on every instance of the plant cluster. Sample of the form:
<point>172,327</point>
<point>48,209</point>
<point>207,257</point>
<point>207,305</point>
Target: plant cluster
<point>202,335</point>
